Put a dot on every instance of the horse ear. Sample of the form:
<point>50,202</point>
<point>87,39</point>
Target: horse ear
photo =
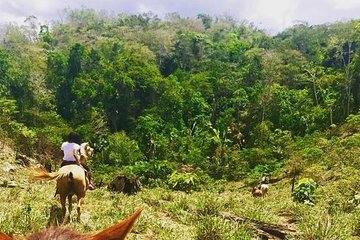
<point>118,231</point>
<point>3,236</point>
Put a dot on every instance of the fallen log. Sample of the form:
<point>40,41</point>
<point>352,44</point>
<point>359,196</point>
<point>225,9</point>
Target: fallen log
<point>264,230</point>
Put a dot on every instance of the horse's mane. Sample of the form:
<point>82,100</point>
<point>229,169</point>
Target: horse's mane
<point>83,145</point>
<point>115,232</point>
<point>53,233</point>
<point>58,233</point>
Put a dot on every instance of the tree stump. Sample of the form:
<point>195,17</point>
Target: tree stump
<point>125,184</point>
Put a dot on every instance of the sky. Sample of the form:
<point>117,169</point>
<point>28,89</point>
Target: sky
<point>270,15</point>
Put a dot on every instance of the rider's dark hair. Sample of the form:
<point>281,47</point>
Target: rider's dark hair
<point>74,137</point>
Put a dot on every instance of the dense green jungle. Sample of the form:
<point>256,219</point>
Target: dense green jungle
<point>198,109</point>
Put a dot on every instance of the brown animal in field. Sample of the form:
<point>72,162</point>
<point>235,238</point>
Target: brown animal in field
<point>115,232</point>
<point>70,180</point>
<point>260,191</point>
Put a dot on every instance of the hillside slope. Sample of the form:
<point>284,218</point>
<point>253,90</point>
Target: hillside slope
<point>29,206</point>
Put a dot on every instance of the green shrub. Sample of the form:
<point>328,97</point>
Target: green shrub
<point>280,140</point>
<point>351,141</point>
<point>184,181</point>
<point>352,123</point>
<point>23,137</point>
<point>255,156</point>
<point>312,153</point>
<point>121,150</point>
<point>304,192</point>
<point>227,163</point>
<point>104,173</point>
<point>152,170</point>
<point>149,134</point>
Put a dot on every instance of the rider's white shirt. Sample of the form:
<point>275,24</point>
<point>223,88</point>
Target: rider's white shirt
<point>69,149</point>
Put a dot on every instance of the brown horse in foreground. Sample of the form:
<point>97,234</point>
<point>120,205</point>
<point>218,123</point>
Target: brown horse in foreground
<point>115,232</point>
<point>71,180</point>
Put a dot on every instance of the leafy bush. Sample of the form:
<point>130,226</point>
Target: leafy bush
<point>152,174</point>
<point>351,141</point>
<point>260,169</point>
<point>256,156</point>
<point>280,140</point>
<point>227,163</point>
<point>50,132</point>
<point>184,181</point>
<point>23,137</point>
<point>261,134</point>
<point>304,192</point>
<point>95,129</point>
<point>352,123</point>
<point>152,170</point>
<point>149,135</point>
<point>121,150</point>
<point>103,173</point>
<point>312,153</point>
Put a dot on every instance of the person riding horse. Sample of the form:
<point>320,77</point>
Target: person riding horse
<point>71,151</point>
<point>262,188</point>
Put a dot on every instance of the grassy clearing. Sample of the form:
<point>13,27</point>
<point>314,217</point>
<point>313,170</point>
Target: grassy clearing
<point>30,206</point>
<point>166,214</point>
<point>174,215</point>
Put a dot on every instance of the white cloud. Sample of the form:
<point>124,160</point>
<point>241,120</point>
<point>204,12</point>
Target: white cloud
<point>345,4</point>
<point>273,15</point>
<point>7,17</point>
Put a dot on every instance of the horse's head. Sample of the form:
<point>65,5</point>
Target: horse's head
<point>85,152</point>
<point>86,149</point>
<point>117,231</point>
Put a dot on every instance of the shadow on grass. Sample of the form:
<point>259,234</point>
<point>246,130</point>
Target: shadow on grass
<point>55,216</point>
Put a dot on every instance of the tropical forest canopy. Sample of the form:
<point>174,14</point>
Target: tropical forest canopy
<point>151,95</point>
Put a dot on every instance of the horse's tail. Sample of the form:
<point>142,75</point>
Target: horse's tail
<point>70,178</point>
<point>42,173</point>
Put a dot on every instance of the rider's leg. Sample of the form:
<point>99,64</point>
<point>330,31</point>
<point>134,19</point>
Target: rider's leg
<point>89,177</point>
